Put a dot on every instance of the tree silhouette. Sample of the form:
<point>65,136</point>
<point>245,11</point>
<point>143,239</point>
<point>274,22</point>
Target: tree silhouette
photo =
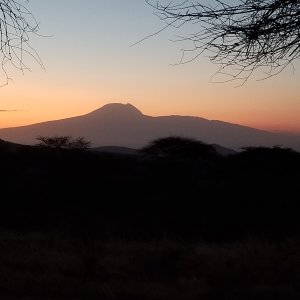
<point>177,147</point>
<point>63,142</point>
<point>17,25</point>
<point>241,36</point>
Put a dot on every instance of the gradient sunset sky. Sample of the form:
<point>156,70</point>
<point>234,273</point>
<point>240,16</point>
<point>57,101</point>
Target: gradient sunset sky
<point>89,62</point>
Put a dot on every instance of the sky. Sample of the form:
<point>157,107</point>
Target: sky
<point>86,48</point>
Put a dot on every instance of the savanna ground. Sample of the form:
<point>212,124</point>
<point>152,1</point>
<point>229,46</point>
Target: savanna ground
<point>183,223</point>
<point>54,266</point>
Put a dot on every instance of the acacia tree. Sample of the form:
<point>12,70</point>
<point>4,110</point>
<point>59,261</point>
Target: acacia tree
<point>240,36</point>
<point>178,147</point>
<point>63,142</point>
<point>17,25</point>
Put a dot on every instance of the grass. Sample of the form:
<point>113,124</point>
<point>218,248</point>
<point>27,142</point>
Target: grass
<point>55,266</point>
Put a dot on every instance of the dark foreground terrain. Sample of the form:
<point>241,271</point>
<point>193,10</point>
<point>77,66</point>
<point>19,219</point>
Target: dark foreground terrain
<point>170,222</point>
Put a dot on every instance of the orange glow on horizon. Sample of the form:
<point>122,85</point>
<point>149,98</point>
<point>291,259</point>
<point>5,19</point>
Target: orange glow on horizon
<point>260,106</point>
<point>255,114</point>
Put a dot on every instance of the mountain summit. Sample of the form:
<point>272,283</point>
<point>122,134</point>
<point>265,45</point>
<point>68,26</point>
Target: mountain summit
<point>123,125</point>
<point>117,110</point>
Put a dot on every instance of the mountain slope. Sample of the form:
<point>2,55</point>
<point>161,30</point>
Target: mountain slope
<point>124,125</point>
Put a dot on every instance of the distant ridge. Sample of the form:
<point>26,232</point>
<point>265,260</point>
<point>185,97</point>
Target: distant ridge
<point>130,151</point>
<point>116,150</point>
<point>123,125</point>
<point>9,146</point>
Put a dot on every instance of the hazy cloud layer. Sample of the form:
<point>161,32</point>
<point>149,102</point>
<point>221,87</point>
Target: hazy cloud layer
<point>9,110</point>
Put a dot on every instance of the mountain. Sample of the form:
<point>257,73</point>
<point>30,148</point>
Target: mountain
<point>124,125</point>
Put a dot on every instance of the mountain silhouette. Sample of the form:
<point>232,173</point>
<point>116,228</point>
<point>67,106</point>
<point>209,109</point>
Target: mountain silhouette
<point>117,110</point>
<point>124,125</point>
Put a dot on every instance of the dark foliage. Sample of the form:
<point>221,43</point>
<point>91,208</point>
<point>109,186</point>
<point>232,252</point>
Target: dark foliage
<point>253,192</point>
<point>176,147</point>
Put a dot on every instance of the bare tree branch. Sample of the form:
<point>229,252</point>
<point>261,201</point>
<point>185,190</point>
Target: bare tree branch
<point>241,37</point>
<point>17,25</point>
